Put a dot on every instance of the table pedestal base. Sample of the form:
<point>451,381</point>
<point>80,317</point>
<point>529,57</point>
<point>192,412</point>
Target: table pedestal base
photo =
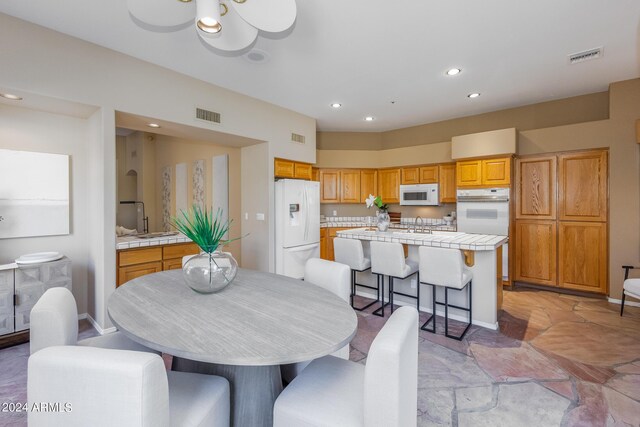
<point>254,389</point>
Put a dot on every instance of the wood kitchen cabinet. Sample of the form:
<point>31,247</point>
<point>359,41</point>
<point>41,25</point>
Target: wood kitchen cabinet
<point>389,185</point>
<point>350,186</point>
<point>582,186</point>
<point>283,168</point>
<point>302,171</point>
<point>536,188</point>
<point>315,174</point>
<point>429,174</point>
<point>368,183</point>
<point>136,262</point>
<point>582,254</point>
<point>323,242</point>
<point>535,252</point>
<point>447,181</point>
<point>329,186</point>
<point>410,175</point>
<point>484,172</point>
<point>331,234</point>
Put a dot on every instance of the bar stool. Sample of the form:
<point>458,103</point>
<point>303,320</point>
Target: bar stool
<point>351,252</point>
<point>444,267</point>
<point>387,259</point>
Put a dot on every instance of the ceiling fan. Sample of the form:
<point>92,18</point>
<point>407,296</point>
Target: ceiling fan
<point>228,25</point>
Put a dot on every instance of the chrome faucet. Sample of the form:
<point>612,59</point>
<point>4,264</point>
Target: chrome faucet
<point>415,224</point>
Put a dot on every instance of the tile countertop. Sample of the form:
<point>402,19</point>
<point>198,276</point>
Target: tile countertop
<point>128,242</point>
<point>343,222</point>
<point>442,239</point>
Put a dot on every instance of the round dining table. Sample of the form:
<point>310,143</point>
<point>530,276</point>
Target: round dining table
<point>243,333</point>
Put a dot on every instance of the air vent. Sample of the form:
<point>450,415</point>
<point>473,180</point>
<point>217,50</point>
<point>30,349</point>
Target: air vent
<point>586,55</point>
<point>297,138</point>
<point>207,116</point>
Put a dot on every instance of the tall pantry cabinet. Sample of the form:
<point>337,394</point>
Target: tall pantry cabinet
<point>562,220</point>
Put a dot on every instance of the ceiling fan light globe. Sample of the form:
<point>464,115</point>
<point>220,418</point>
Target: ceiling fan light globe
<point>209,25</point>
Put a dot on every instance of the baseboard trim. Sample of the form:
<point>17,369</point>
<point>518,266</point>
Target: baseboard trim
<point>626,302</point>
<point>96,326</point>
<point>439,312</point>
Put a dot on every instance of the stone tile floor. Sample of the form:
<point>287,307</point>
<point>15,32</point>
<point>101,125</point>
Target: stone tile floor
<point>558,360</point>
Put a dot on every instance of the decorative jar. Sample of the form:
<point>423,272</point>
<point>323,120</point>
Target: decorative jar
<point>383,221</point>
<point>210,272</point>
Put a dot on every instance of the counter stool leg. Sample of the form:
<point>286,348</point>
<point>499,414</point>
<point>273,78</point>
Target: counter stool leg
<point>622,304</point>
<point>446,314</point>
<point>380,311</point>
<point>354,289</point>
<point>391,292</point>
<point>433,313</point>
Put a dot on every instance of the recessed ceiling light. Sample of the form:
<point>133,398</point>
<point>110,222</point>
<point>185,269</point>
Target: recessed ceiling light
<point>473,95</point>
<point>336,105</point>
<point>153,125</point>
<point>256,56</point>
<point>453,71</point>
<point>11,96</point>
<point>368,119</point>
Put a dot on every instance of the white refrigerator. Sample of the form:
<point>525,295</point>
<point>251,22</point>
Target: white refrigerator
<point>297,225</point>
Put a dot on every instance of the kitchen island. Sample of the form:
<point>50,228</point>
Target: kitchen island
<point>483,256</point>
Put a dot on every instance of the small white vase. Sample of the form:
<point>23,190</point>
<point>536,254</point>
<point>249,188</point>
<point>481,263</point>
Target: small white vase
<point>383,221</point>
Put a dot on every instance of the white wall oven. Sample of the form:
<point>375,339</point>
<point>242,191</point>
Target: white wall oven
<point>485,211</point>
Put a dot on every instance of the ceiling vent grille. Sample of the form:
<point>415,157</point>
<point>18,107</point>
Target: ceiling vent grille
<point>586,55</point>
<point>297,138</point>
<point>208,116</point>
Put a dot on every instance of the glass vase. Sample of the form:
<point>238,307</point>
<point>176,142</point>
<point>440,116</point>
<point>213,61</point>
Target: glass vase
<point>210,272</point>
<point>383,221</point>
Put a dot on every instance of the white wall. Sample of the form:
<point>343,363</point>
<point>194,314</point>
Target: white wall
<point>44,62</point>
<point>28,130</point>
<point>256,247</point>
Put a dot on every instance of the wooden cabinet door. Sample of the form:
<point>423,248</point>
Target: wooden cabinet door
<point>536,187</point>
<point>302,171</point>
<point>429,174</point>
<point>329,186</point>
<point>315,174</point>
<point>179,250</point>
<point>496,172</point>
<point>350,186</point>
<point>139,256</point>
<point>389,185</point>
<point>283,168</point>
<point>469,173</point>
<point>583,186</point>
<point>368,183</point>
<point>447,182</point>
<point>172,264</point>
<point>535,252</point>
<point>410,176</point>
<point>583,256</point>
<point>323,243</point>
<point>131,272</point>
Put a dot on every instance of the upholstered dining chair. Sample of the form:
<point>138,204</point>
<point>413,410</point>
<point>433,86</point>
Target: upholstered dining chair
<point>54,321</point>
<point>336,392</point>
<point>630,287</point>
<point>334,277</point>
<point>105,387</point>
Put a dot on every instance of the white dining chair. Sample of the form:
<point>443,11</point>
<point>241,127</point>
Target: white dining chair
<point>387,259</point>
<point>630,287</point>
<point>105,387</point>
<point>445,267</point>
<point>333,277</point>
<point>337,392</point>
<point>54,321</point>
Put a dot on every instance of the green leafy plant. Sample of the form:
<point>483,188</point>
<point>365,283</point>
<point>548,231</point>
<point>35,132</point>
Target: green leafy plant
<point>373,200</point>
<point>203,228</point>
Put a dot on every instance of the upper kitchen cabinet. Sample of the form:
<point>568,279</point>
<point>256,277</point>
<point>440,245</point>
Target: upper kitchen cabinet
<point>368,183</point>
<point>486,172</point>
<point>389,185</point>
<point>469,173</point>
<point>447,180</point>
<point>582,186</point>
<point>303,171</point>
<point>429,174</point>
<point>350,186</point>
<point>283,168</point>
<point>410,175</point>
<point>536,188</point>
<point>329,186</point>
<point>496,172</point>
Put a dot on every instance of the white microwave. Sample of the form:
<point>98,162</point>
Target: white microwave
<point>419,195</point>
